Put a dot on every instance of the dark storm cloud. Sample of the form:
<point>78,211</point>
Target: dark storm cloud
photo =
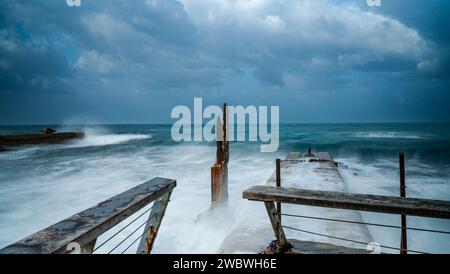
<point>132,61</point>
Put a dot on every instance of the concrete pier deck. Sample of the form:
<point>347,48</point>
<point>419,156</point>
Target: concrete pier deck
<point>253,231</point>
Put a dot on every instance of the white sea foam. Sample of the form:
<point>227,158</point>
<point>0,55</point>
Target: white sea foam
<point>40,197</point>
<point>99,137</point>
<point>50,189</point>
<point>382,178</point>
<point>109,139</point>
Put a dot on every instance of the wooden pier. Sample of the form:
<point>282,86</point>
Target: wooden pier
<point>341,210</point>
<point>314,194</point>
<point>296,171</point>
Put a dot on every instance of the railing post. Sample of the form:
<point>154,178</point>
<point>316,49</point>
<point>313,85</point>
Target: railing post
<point>282,242</point>
<point>404,238</point>
<point>278,182</point>
<point>153,224</point>
<point>88,248</point>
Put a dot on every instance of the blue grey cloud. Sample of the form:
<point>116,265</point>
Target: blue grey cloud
<point>132,61</point>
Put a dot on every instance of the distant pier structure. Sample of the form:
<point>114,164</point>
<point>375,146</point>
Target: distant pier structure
<point>47,136</point>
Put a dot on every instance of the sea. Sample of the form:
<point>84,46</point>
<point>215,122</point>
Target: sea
<point>41,185</point>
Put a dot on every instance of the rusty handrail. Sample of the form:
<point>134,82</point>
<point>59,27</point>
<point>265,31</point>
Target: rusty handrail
<point>341,200</point>
<point>85,227</point>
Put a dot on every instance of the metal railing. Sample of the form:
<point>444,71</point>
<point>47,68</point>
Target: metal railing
<point>79,233</point>
<point>340,200</point>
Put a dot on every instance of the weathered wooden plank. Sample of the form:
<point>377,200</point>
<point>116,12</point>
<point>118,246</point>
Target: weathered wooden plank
<point>342,200</point>
<point>84,227</point>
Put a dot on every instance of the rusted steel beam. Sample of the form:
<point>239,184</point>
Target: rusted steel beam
<point>150,240</point>
<point>219,171</point>
<point>218,187</point>
<point>351,201</point>
<point>404,237</point>
<point>155,218</point>
<point>83,228</point>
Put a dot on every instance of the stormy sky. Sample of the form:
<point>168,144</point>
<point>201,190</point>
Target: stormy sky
<point>132,61</point>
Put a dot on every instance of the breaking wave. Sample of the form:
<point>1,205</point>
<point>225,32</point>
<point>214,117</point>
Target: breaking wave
<point>393,135</point>
<point>43,185</point>
<point>101,137</point>
<point>109,139</point>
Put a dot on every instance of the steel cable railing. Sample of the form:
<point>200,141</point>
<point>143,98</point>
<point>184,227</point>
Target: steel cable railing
<point>364,223</point>
<point>131,234</point>
<point>356,222</point>
<point>123,228</point>
<point>348,240</point>
<point>140,236</point>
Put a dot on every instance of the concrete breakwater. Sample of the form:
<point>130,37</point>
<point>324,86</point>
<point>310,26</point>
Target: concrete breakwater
<point>12,141</point>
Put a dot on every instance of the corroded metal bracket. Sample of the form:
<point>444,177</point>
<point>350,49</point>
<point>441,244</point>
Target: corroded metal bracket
<point>154,221</point>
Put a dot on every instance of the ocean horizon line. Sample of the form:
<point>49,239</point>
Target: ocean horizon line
<point>169,124</point>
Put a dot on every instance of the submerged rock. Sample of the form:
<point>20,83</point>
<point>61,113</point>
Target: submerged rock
<point>48,130</point>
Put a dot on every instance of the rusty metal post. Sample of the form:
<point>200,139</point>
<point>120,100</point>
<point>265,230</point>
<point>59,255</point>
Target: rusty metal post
<point>282,242</point>
<point>153,224</point>
<point>150,240</point>
<point>219,171</point>
<point>404,238</point>
<point>278,182</point>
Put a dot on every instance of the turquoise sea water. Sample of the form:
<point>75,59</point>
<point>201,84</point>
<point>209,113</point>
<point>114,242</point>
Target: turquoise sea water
<point>44,184</point>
